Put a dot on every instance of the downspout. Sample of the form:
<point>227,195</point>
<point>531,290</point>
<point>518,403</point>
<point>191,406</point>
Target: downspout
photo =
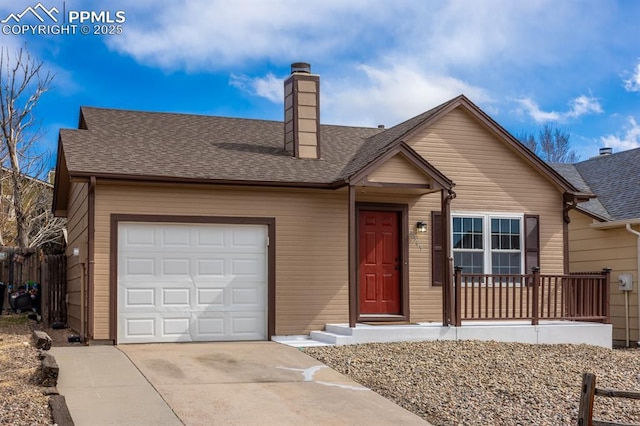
<point>90,253</point>
<point>570,203</point>
<point>448,309</point>
<point>352,260</point>
<point>637,234</point>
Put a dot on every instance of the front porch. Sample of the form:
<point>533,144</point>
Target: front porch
<point>534,309</point>
<point>547,332</point>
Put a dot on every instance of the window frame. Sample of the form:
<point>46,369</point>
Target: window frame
<point>486,237</point>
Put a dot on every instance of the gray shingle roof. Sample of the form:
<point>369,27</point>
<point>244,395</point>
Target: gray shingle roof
<point>380,143</point>
<point>202,147</point>
<point>572,174</point>
<point>615,179</point>
<point>169,146</point>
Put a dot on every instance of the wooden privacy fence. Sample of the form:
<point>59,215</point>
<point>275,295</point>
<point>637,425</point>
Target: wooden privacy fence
<point>19,266</point>
<point>53,272</point>
<point>587,393</point>
<point>495,297</point>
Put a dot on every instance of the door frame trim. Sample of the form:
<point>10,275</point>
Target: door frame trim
<point>403,246</point>
<point>115,220</point>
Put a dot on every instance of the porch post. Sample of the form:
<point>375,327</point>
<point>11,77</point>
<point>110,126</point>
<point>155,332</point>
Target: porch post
<point>605,294</point>
<point>457,320</point>
<point>536,286</point>
<point>447,306</point>
<point>353,278</point>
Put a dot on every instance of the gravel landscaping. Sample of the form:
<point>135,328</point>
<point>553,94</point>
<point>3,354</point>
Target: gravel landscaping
<point>489,383</point>
<point>21,399</point>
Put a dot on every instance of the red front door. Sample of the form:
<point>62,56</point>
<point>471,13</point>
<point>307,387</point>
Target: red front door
<point>380,262</point>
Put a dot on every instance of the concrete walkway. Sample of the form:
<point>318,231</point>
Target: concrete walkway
<point>102,387</point>
<point>214,383</point>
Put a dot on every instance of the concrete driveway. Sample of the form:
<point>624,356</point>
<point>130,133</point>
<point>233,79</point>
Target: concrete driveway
<point>248,383</point>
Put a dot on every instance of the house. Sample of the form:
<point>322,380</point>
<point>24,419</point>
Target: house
<point>185,227</point>
<point>605,231</point>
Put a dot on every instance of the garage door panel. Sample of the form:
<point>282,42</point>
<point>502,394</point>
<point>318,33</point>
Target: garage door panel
<point>179,282</point>
<point>138,328</point>
<point>176,297</point>
<point>175,236</point>
<point>245,324</point>
<point>176,266</point>
<point>210,238</point>
<point>175,329</point>
<point>209,326</point>
<point>246,238</point>
<point>247,297</point>
<point>139,237</point>
<point>210,297</point>
<point>139,297</point>
<point>139,266</point>
<point>209,267</point>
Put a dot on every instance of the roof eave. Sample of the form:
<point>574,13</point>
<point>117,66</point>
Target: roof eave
<point>200,181</point>
<point>61,184</point>
<point>616,223</point>
<point>417,160</point>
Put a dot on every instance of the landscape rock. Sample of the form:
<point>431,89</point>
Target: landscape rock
<point>49,371</point>
<point>42,340</point>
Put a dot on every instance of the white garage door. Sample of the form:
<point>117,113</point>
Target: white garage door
<point>184,282</point>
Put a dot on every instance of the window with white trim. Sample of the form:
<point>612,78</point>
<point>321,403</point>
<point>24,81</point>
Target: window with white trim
<point>488,243</point>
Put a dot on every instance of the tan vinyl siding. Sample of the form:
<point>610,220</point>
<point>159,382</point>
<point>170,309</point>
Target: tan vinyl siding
<point>398,170</point>
<point>77,230</point>
<point>489,177</point>
<point>311,243</point>
<point>593,249</point>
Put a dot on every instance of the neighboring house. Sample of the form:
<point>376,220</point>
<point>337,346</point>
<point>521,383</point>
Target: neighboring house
<point>193,227</point>
<point>605,232</point>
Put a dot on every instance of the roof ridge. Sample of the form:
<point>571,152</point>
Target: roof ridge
<point>613,154</point>
<point>224,117</point>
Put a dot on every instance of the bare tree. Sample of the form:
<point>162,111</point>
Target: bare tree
<point>552,145</point>
<point>23,81</point>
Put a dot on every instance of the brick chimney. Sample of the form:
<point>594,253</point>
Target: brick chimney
<point>302,112</point>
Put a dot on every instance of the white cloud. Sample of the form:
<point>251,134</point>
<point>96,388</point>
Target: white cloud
<point>370,95</point>
<point>533,110</point>
<point>582,105</point>
<point>391,94</point>
<point>269,86</point>
<point>211,35</point>
<point>632,84</point>
<point>629,140</point>
<point>214,34</point>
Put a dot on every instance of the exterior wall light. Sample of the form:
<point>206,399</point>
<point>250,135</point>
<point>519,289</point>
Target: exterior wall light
<point>421,226</point>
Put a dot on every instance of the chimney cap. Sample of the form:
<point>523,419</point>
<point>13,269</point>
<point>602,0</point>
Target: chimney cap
<point>606,151</point>
<point>302,67</point>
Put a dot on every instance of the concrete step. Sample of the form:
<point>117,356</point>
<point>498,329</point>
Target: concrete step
<point>303,341</point>
<point>331,338</point>
<point>341,329</point>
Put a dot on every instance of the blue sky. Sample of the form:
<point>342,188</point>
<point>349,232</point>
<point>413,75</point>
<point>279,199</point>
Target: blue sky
<point>570,64</point>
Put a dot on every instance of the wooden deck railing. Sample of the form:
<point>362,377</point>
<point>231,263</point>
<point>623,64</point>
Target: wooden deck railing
<point>534,297</point>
